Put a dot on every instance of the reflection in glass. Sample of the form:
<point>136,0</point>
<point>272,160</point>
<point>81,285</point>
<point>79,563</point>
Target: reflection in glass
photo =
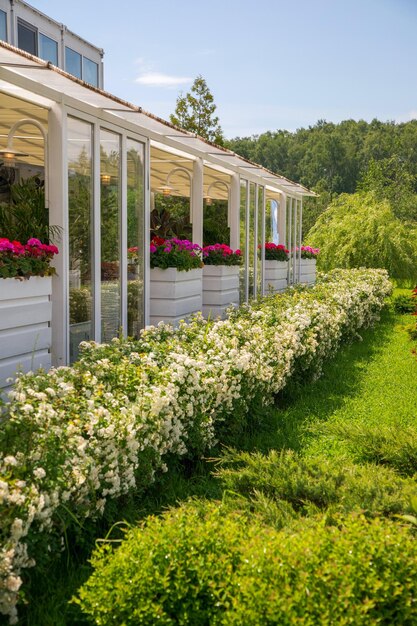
<point>171,209</point>
<point>73,62</point>
<point>110,234</point>
<point>90,72</point>
<point>243,243</point>
<point>135,237</point>
<point>216,209</point>
<point>80,206</point>
<point>48,49</point>
<point>3,26</point>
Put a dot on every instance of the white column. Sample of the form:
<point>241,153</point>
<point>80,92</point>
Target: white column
<point>197,202</point>
<point>282,219</point>
<point>289,241</point>
<point>247,240</point>
<point>149,205</point>
<point>58,215</point>
<point>234,212</point>
<point>255,243</point>
<point>263,242</point>
<point>295,242</point>
<point>123,233</point>
<point>96,226</point>
<point>300,237</point>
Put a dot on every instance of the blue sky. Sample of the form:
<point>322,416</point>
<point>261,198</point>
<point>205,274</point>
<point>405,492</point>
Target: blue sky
<point>270,64</point>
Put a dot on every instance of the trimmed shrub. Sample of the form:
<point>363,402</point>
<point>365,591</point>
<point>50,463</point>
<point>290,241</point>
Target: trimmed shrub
<point>200,565</point>
<point>78,437</point>
<point>284,486</point>
<point>391,445</point>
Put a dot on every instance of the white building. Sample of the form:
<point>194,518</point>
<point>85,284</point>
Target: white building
<point>104,161</point>
<point>24,27</point>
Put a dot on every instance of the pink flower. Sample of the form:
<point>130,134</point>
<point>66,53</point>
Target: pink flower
<point>34,242</point>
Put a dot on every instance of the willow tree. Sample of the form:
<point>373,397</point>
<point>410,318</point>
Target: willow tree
<point>360,230</point>
<point>195,112</point>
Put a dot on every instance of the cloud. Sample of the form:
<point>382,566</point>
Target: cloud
<point>157,79</point>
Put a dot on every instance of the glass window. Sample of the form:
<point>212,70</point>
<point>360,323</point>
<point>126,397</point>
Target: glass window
<point>3,26</point>
<point>243,243</point>
<point>252,242</point>
<point>27,38</point>
<point>90,72</point>
<point>48,49</point>
<point>110,234</point>
<point>73,62</point>
<point>135,237</point>
<point>259,242</point>
<point>80,227</point>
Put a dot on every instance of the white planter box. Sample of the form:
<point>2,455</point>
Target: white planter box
<point>174,295</point>
<point>25,325</point>
<point>308,271</point>
<point>275,276</point>
<point>220,289</point>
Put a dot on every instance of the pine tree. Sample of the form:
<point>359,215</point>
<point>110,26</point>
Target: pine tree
<point>195,112</point>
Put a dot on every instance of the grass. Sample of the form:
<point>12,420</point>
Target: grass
<point>369,384</point>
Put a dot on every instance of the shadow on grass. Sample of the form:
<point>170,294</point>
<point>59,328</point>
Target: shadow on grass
<point>281,426</point>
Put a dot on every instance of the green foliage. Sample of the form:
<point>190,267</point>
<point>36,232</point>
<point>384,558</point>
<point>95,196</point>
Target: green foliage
<point>215,228</point>
<point>25,216</point>
<point>404,303</point>
<point>171,217</point>
<point>342,158</point>
<point>80,305</point>
<point>200,565</point>
<point>359,230</point>
<point>390,179</point>
<point>283,486</point>
<point>195,112</point>
<point>394,445</point>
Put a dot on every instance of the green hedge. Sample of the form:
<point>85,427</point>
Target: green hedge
<point>199,565</point>
<point>79,437</point>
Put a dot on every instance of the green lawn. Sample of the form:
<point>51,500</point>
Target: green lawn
<point>371,385</point>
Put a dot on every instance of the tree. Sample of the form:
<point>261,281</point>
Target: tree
<point>195,112</point>
<point>390,179</point>
<point>361,230</point>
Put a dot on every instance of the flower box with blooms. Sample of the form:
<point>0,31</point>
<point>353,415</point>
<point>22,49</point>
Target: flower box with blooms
<point>220,279</point>
<point>308,264</point>
<point>19,260</point>
<point>176,280</point>
<point>276,267</point>
<point>178,253</point>
<point>25,306</point>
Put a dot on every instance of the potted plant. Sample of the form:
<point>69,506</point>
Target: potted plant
<point>176,277</point>
<point>276,267</point>
<point>308,264</point>
<point>220,279</point>
<point>25,306</point>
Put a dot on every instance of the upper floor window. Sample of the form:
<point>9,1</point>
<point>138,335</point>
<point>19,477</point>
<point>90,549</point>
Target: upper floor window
<point>90,72</point>
<point>73,62</point>
<point>48,49</point>
<point>3,26</point>
<point>27,38</point>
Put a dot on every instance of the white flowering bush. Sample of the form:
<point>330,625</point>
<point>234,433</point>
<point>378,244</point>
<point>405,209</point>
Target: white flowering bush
<point>78,436</point>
